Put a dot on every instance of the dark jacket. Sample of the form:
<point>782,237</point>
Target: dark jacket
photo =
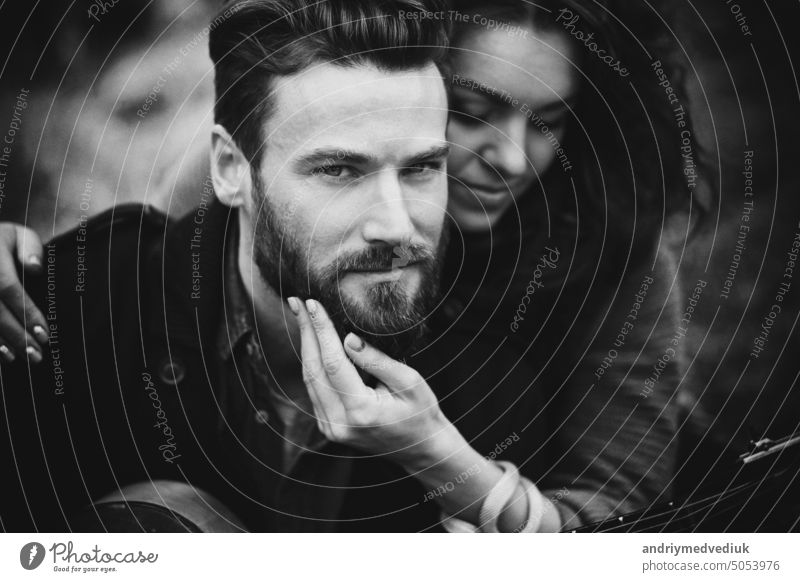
<point>128,390</point>
<point>127,393</point>
<point>124,395</point>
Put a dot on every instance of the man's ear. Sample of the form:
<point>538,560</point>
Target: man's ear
<point>230,170</point>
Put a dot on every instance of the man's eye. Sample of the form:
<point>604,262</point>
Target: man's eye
<point>423,168</point>
<point>334,171</point>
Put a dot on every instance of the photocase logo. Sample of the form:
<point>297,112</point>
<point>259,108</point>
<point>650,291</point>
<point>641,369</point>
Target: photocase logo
<point>402,257</point>
<point>31,555</point>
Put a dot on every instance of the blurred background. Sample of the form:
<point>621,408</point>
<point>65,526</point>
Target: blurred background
<point>117,108</point>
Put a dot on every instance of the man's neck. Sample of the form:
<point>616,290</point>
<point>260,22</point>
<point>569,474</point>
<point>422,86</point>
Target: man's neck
<point>278,331</point>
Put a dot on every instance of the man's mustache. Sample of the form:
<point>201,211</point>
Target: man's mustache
<point>384,258</point>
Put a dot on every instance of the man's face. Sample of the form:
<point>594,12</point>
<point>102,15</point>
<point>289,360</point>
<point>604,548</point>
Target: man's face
<point>349,203</point>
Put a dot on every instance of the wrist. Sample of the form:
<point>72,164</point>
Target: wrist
<point>444,448</point>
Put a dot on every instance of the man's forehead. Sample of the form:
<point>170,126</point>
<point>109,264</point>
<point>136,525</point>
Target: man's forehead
<point>350,106</point>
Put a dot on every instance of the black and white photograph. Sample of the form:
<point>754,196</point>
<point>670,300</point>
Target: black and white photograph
<point>398,267</point>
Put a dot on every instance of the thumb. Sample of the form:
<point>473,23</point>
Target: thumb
<point>29,248</point>
<point>398,377</point>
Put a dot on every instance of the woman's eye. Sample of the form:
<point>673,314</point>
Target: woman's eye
<point>464,117</point>
<point>467,114</point>
<point>554,123</point>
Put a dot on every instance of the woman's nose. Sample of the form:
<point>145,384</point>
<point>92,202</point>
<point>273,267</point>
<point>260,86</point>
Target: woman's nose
<point>506,152</point>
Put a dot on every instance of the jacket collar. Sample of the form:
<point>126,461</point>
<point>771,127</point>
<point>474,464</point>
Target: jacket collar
<point>238,321</point>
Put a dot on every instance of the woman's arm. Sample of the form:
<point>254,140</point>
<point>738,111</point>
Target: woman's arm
<point>400,419</point>
<point>616,453</point>
<point>462,479</point>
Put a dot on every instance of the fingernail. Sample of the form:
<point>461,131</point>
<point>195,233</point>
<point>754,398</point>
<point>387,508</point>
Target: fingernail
<point>311,305</point>
<point>33,354</point>
<point>40,334</point>
<point>34,260</point>
<point>354,342</point>
<point>293,305</point>
<point>7,353</point>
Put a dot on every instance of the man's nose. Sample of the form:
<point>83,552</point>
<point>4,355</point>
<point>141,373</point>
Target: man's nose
<point>388,218</point>
<point>506,151</point>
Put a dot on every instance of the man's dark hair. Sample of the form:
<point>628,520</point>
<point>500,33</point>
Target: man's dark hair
<point>253,41</point>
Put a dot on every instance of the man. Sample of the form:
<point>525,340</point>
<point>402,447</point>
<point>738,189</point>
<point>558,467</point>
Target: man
<point>172,357</point>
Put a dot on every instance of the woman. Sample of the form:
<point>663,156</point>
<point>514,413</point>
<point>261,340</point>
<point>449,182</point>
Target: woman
<point>566,164</point>
<point>558,123</point>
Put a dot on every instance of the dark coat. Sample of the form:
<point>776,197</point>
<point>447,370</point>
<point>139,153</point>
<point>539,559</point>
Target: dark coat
<point>120,398</point>
<point>127,393</point>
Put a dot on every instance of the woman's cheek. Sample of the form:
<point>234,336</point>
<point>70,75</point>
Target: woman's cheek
<point>543,153</point>
<point>549,156</point>
<point>464,147</point>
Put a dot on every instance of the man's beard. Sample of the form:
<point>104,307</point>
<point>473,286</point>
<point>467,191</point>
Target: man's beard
<point>385,316</point>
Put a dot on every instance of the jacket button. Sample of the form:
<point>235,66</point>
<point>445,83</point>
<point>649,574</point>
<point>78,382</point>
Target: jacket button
<point>171,371</point>
<point>453,308</point>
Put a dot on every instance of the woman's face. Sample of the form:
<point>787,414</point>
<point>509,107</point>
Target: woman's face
<point>508,90</point>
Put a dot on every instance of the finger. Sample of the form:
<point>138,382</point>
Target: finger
<point>25,312</point>
<point>319,409</point>
<point>11,290</point>
<point>16,337</point>
<point>7,355</point>
<point>398,377</point>
<point>29,249</point>
<point>313,374</point>
<point>340,371</point>
<point>8,248</point>
<point>320,412</point>
<point>29,254</point>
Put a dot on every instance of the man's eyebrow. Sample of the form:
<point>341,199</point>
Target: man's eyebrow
<point>322,156</point>
<point>434,153</point>
<point>334,156</point>
<point>558,105</point>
